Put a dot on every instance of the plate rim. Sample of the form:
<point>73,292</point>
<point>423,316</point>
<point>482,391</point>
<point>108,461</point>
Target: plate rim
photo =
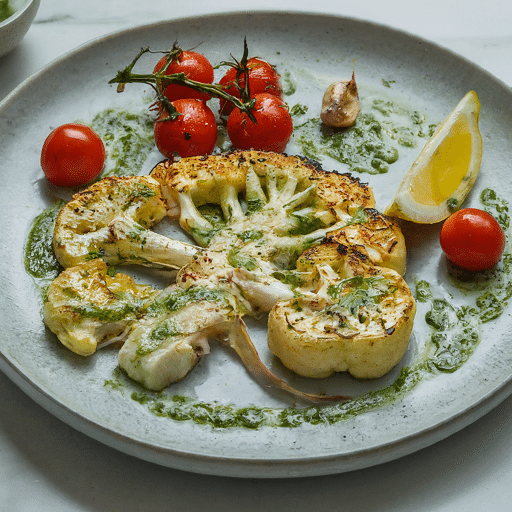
<point>240,467</point>
<point>251,467</point>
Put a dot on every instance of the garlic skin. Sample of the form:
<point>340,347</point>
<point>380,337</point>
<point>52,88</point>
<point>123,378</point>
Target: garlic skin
<point>340,104</point>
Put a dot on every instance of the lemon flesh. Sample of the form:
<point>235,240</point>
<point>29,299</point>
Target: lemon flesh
<point>445,170</point>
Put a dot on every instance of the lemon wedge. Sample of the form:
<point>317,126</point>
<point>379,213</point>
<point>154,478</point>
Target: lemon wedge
<point>446,169</point>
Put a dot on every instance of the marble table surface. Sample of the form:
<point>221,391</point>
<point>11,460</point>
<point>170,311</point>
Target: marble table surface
<point>45,465</point>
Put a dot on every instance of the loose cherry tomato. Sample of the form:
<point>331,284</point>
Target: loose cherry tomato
<point>472,239</point>
<point>72,155</point>
<point>195,66</point>
<point>262,78</point>
<point>271,132</point>
<point>193,133</point>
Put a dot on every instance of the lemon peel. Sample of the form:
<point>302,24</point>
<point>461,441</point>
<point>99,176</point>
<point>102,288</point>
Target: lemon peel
<point>446,169</point>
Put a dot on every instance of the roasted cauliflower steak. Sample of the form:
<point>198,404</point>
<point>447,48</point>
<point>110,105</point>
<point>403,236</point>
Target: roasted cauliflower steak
<point>275,234</point>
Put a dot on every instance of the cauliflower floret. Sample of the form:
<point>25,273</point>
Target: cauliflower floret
<point>169,341</point>
<point>360,324</point>
<point>378,239</point>
<point>111,220</point>
<point>192,182</point>
<point>86,307</point>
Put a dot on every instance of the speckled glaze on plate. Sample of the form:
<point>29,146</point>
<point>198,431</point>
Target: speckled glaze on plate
<point>75,87</point>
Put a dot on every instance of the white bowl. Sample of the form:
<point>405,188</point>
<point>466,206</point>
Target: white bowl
<point>14,28</point>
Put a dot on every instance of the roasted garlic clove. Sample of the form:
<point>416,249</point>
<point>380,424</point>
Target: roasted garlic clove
<point>340,104</point>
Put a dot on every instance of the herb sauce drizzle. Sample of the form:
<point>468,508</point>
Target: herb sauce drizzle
<point>371,145</point>
<point>128,139</point>
<point>40,261</point>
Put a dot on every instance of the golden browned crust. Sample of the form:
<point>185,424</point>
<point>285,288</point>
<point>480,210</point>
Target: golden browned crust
<point>199,177</point>
<point>82,225</point>
<point>377,239</point>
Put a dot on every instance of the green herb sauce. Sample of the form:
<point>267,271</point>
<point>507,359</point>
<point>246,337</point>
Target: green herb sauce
<point>289,84</point>
<point>238,259</point>
<point>255,204</point>
<point>304,223</point>
<point>128,140</point>
<point>176,299</point>
<point>495,206</point>
<point>360,217</point>
<point>124,307</point>
<point>423,291</point>
<point>372,144</point>
<point>387,83</point>
<point>294,278</point>
<point>214,215</point>
<point>40,261</point>
<point>251,235</point>
<point>353,292</point>
<point>159,334</point>
<point>298,110</point>
<point>6,11</point>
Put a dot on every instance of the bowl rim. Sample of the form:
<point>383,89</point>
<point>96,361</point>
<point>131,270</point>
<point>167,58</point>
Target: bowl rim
<point>18,13</point>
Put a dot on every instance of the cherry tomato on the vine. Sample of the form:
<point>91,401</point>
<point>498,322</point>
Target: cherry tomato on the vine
<point>72,155</point>
<point>262,78</point>
<point>193,133</point>
<point>195,66</point>
<point>472,239</point>
<point>271,132</point>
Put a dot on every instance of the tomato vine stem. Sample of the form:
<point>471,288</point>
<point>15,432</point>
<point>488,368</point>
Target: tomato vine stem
<point>159,81</point>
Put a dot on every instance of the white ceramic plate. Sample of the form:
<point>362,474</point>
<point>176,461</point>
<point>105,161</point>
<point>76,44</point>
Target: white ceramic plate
<point>317,49</point>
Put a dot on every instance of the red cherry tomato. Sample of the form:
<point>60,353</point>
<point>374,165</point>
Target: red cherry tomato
<point>193,133</point>
<point>271,132</point>
<point>195,66</point>
<point>262,78</point>
<point>72,155</point>
<point>472,239</point>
